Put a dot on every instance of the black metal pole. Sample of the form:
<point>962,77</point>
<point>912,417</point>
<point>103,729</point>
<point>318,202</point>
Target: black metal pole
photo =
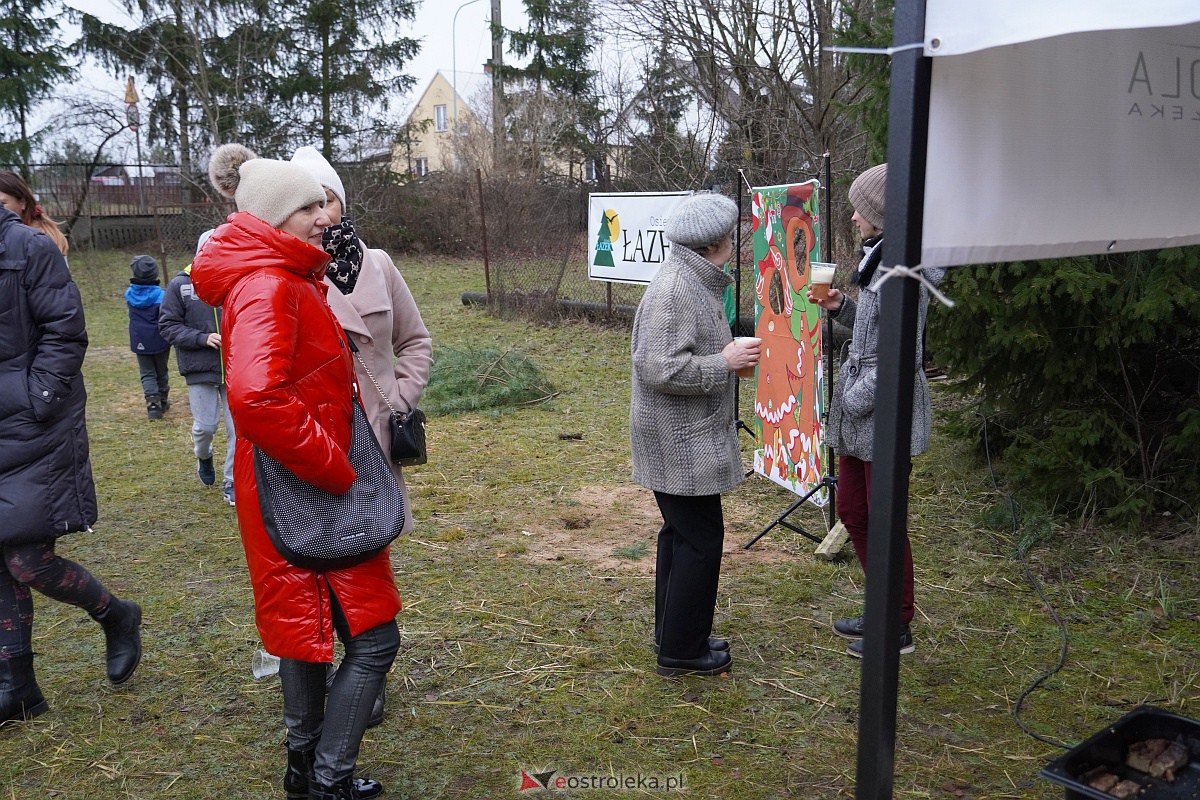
<point>830,458</point>
<point>737,265</point>
<point>908,121</point>
<point>737,300</point>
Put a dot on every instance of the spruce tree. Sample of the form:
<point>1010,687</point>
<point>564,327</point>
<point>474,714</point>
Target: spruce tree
<point>32,64</point>
<point>1085,372</point>
<point>556,106</point>
<point>343,62</point>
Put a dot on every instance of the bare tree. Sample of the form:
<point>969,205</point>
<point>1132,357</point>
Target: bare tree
<point>97,123</point>
<point>781,98</point>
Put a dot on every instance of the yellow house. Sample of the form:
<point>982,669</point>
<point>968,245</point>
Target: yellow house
<point>443,133</point>
<point>432,142</point>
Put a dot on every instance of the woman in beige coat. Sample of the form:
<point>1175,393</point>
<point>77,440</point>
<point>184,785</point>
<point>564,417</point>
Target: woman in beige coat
<point>371,300</point>
<point>373,303</point>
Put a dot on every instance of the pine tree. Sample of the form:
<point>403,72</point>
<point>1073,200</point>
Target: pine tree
<point>1086,371</point>
<point>558,106</point>
<point>168,51</point>
<point>660,157</point>
<point>32,64</point>
<point>869,26</point>
<point>343,64</point>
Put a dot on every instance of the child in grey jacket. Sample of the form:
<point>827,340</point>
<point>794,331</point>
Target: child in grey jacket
<point>195,329</point>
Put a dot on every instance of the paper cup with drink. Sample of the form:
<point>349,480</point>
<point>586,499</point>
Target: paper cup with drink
<point>821,278</point>
<point>747,341</point>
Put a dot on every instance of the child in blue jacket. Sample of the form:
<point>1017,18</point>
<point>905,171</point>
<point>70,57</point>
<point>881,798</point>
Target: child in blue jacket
<point>144,296</point>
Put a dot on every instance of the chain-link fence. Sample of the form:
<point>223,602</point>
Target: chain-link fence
<point>536,247</point>
<point>529,234</point>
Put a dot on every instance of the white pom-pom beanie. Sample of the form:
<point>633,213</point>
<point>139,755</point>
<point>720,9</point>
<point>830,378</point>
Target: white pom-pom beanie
<point>316,164</point>
<point>270,190</point>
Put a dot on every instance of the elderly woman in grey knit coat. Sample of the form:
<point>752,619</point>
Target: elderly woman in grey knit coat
<point>682,428</point>
<point>851,427</point>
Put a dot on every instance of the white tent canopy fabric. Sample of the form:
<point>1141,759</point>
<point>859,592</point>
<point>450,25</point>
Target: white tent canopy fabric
<point>953,27</point>
<point>1071,145</point>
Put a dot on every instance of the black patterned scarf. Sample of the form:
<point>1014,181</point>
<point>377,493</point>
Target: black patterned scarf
<point>341,242</point>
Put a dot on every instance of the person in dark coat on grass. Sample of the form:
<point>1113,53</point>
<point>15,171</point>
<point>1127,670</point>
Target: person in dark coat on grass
<point>46,488</point>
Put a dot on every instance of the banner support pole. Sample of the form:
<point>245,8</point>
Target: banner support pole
<point>899,311</point>
<point>830,459</point>
<point>737,309</point>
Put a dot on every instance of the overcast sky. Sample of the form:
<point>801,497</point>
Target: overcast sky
<point>470,46</point>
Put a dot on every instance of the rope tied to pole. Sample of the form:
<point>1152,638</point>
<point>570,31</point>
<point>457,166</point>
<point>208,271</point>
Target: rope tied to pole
<point>916,273</point>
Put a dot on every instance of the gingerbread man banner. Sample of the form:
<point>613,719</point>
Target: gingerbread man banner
<point>790,380</point>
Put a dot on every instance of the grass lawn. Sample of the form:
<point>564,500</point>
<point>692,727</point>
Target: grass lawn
<point>527,628</point>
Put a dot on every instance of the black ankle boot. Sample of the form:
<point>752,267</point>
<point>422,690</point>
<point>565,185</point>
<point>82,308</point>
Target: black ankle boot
<point>20,697</point>
<point>299,771</point>
<point>122,622</point>
<point>299,777</point>
<point>346,789</point>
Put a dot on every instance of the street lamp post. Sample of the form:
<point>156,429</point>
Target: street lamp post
<point>454,59</point>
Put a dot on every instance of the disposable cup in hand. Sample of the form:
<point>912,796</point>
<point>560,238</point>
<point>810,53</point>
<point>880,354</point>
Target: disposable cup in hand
<point>748,341</point>
<point>821,279</point>
<point>263,664</point>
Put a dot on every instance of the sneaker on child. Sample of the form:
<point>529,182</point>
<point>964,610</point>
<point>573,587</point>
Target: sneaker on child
<point>205,470</point>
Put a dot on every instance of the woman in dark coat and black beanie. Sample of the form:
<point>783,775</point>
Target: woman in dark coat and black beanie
<point>46,487</point>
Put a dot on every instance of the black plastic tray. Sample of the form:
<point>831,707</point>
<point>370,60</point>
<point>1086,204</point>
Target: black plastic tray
<point>1108,748</point>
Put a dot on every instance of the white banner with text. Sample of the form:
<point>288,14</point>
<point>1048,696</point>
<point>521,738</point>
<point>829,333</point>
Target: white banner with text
<point>626,242</point>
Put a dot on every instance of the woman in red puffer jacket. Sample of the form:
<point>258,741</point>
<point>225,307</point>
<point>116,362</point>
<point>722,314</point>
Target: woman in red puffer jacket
<point>290,388</point>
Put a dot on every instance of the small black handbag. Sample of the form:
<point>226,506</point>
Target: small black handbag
<point>407,430</point>
<point>408,437</point>
<point>314,529</point>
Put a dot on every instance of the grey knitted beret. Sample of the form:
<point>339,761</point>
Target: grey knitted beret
<point>867,194</point>
<point>701,219</point>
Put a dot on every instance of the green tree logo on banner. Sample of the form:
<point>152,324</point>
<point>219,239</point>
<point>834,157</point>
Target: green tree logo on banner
<point>609,229</point>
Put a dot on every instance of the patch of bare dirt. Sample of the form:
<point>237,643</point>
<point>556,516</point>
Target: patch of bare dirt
<point>614,529</point>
